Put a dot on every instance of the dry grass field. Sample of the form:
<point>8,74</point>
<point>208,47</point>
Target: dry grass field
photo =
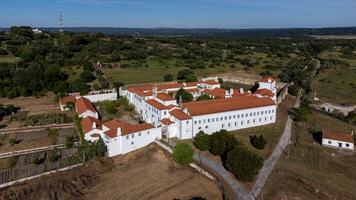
<point>311,171</point>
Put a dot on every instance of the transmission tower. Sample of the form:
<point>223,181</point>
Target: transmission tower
<point>61,29</point>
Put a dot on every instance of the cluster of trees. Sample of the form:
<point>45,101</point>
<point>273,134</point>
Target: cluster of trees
<point>184,95</point>
<point>7,110</point>
<point>235,156</point>
<point>302,113</point>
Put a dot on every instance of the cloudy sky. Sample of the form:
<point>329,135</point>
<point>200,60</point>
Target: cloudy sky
<point>180,13</point>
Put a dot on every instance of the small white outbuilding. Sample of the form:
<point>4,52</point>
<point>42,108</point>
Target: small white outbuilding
<point>338,140</point>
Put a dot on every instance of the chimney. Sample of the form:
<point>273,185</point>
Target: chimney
<point>231,91</point>
<point>180,103</point>
<point>94,125</point>
<point>241,90</point>
<point>118,131</point>
<point>352,132</point>
<point>154,90</point>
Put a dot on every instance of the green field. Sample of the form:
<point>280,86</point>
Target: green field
<point>7,59</point>
<point>155,69</point>
<point>337,84</point>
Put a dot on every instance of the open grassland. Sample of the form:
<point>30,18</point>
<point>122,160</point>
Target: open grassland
<point>154,69</point>
<point>271,132</point>
<point>311,171</point>
<point>144,174</point>
<point>337,84</point>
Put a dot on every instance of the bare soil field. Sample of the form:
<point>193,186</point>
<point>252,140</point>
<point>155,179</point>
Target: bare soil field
<point>33,104</point>
<point>311,171</point>
<point>28,140</point>
<point>144,174</point>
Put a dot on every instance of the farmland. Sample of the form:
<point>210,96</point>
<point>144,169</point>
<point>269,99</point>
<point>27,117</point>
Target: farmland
<point>144,174</point>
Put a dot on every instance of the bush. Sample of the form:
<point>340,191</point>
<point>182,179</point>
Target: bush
<point>95,149</point>
<point>168,77</point>
<point>38,161</point>
<point>186,96</point>
<point>243,163</point>
<point>69,141</point>
<point>14,141</point>
<point>53,157</point>
<point>202,141</point>
<point>110,107</point>
<point>259,142</point>
<point>183,153</point>
<point>222,142</point>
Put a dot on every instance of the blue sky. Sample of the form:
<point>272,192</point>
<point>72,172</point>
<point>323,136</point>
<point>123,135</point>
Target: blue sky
<point>180,13</point>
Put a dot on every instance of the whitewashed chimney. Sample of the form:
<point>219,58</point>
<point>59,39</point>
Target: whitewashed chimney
<point>241,90</point>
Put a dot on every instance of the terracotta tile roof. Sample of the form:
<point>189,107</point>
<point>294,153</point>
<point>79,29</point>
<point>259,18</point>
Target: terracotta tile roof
<point>82,104</point>
<point>238,94</point>
<point>338,136</point>
<point>217,92</point>
<point>179,114</point>
<point>156,104</point>
<point>267,78</point>
<point>67,99</point>
<point>191,84</point>
<point>193,90</point>
<point>265,92</point>
<point>165,97</point>
<point>126,128</point>
<point>166,121</point>
<point>142,87</point>
<point>87,124</point>
<point>169,86</point>
<point>171,106</point>
<point>225,105</point>
<point>211,82</point>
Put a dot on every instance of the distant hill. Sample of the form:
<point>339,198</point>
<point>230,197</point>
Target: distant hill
<point>177,32</point>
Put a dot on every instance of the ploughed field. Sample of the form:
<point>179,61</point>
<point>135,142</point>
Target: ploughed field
<point>148,173</point>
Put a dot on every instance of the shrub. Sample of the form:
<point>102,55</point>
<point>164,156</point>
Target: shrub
<point>110,107</point>
<point>94,149</point>
<point>186,96</point>
<point>243,163</point>
<point>259,142</point>
<point>222,142</point>
<point>183,153</point>
<point>37,161</point>
<point>53,157</point>
<point>69,141</point>
<point>14,141</point>
<point>202,141</point>
<point>168,77</point>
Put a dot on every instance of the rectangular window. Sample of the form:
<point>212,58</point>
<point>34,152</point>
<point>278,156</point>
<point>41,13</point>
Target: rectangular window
<point>199,121</point>
<point>222,125</point>
<point>248,121</point>
<point>234,116</point>
<point>213,119</point>
<point>208,120</point>
<point>133,135</point>
<point>221,118</point>
<point>230,117</point>
<point>187,122</point>
<point>139,134</point>
<point>329,142</point>
<point>225,117</point>
<point>195,122</point>
<point>217,119</point>
<point>238,116</point>
<point>204,121</point>
<point>347,144</point>
<point>127,137</point>
<point>148,132</point>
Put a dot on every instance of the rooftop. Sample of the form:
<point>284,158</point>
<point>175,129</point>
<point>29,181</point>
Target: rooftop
<point>225,105</point>
<point>87,124</point>
<point>333,135</point>
<point>83,104</point>
<point>157,104</point>
<point>126,128</point>
<point>179,114</point>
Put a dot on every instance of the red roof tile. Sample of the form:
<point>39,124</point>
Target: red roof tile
<point>225,105</point>
<point>265,92</point>
<point>338,136</point>
<point>267,78</point>
<point>217,92</point>
<point>211,82</point>
<point>166,121</point>
<point>165,97</point>
<point>156,104</point>
<point>82,104</point>
<point>179,114</point>
<point>67,99</point>
<point>126,128</point>
<point>87,124</point>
